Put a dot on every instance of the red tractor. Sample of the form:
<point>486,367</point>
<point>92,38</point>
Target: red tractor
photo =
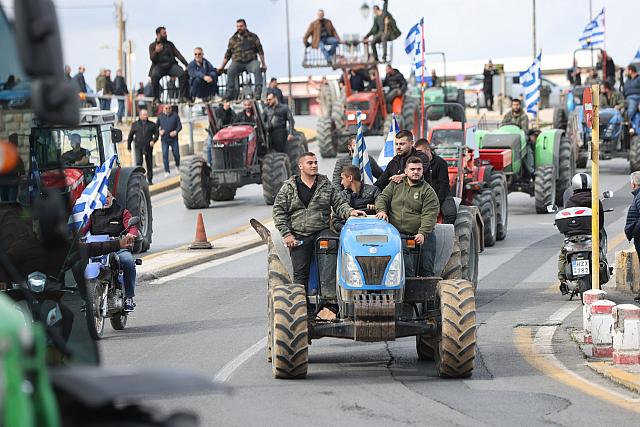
<point>473,179</point>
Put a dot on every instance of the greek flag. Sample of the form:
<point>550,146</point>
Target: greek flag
<point>413,46</point>
<point>530,81</point>
<point>387,152</point>
<point>593,34</point>
<point>361,156</point>
<point>637,57</point>
<point>93,197</point>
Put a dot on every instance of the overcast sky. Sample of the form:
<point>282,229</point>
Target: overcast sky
<point>464,29</point>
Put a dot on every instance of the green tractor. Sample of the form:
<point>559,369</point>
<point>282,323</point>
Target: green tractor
<point>542,168</point>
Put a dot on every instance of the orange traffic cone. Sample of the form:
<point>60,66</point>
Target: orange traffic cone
<point>201,241</point>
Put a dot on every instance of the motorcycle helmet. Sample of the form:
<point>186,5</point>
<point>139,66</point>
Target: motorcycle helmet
<point>581,182</point>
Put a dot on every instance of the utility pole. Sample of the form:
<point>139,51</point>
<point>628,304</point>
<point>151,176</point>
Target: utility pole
<point>291,104</point>
<point>121,35</point>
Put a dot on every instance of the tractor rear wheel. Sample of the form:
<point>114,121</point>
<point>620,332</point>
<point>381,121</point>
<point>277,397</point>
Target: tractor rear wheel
<point>560,119</point>
<point>456,345</point>
<point>325,138</point>
<point>465,230</point>
<point>275,171</point>
<point>487,205</point>
<point>634,153</point>
<point>566,169</point>
<point>223,193</point>
<point>453,268</point>
<point>544,188</point>
<point>195,184</point>
<point>426,347</point>
<point>500,195</point>
<point>295,148</point>
<point>290,340</point>
<point>409,107</point>
<point>139,204</point>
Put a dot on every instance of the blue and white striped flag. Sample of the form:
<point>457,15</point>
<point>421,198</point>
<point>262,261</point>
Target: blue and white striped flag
<point>414,46</point>
<point>361,156</point>
<point>93,197</point>
<point>637,57</point>
<point>388,151</point>
<point>593,34</point>
<point>531,83</point>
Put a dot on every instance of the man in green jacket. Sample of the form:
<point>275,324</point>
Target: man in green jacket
<point>516,116</point>
<point>412,207</point>
<point>384,30</point>
<point>610,98</point>
<point>302,211</point>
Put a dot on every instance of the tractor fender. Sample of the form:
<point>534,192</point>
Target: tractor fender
<point>479,223</point>
<point>547,149</point>
<point>119,180</point>
<point>445,235</point>
<point>92,270</point>
<point>484,174</point>
<point>480,134</point>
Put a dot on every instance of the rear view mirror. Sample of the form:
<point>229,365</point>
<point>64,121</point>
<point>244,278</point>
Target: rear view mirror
<point>135,220</point>
<point>607,194</point>
<point>116,135</point>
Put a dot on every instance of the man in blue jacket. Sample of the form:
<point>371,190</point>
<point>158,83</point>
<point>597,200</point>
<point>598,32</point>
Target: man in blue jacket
<point>169,125</point>
<point>632,226</point>
<point>203,77</point>
<point>632,95</point>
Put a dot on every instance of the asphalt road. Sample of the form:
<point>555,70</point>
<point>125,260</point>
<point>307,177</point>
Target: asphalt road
<point>211,319</point>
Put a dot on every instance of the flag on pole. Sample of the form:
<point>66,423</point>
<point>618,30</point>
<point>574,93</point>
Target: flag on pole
<point>93,197</point>
<point>593,34</point>
<point>414,47</point>
<point>637,57</point>
<point>361,156</point>
<point>530,80</point>
<point>387,152</point>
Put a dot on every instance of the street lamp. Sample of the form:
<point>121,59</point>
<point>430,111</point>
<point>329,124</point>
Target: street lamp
<point>364,10</point>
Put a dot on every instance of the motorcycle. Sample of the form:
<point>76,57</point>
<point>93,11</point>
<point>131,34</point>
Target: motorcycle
<point>105,287</point>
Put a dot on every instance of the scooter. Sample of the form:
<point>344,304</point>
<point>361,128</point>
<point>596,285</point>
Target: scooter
<point>105,288</point>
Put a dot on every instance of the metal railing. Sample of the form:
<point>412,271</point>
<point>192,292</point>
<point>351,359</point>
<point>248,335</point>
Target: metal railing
<point>348,55</point>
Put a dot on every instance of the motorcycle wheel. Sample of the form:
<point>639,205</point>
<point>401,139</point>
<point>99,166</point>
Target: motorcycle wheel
<point>119,320</point>
<point>93,313</point>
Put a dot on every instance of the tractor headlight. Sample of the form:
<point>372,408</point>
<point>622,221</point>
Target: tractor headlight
<point>36,281</point>
<point>363,116</point>
<point>394,275</point>
<point>351,116</point>
<point>351,272</point>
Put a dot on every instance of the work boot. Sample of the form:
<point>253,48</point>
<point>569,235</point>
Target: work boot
<point>129,305</point>
<point>564,289</point>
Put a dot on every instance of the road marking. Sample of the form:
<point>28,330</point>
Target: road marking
<point>538,352</point>
<point>201,267</point>
<point>230,368</point>
<point>166,202</point>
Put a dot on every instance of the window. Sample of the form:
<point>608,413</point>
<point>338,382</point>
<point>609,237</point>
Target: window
<point>54,146</point>
<point>446,137</point>
<point>108,145</point>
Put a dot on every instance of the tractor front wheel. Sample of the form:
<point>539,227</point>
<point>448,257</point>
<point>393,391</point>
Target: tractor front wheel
<point>290,335</point>
<point>487,205</point>
<point>466,233</point>
<point>544,188</point>
<point>566,169</point>
<point>275,171</point>
<point>500,195</point>
<point>223,193</point>
<point>634,153</point>
<point>195,184</point>
<point>295,148</point>
<point>325,138</point>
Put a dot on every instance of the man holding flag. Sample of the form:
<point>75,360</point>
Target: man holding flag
<point>395,170</point>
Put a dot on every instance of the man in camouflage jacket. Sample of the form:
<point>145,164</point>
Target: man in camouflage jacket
<point>517,116</point>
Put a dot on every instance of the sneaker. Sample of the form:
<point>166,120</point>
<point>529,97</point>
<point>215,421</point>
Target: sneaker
<point>564,289</point>
<point>167,174</point>
<point>129,305</point>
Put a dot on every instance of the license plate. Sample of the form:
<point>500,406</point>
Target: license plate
<point>580,267</point>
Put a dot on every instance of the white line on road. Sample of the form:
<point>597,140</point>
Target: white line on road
<point>230,368</point>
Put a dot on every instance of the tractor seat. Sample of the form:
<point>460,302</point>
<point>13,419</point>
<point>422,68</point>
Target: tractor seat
<point>503,140</point>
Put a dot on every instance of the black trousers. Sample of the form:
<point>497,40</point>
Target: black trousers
<point>488,99</point>
<point>449,211</point>
<point>302,255</point>
<point>172,70</point>
<point>147,152</point>
<point>278,139</point>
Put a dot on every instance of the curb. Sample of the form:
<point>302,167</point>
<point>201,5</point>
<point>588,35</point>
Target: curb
<point>166,185</point>
<point>630,380</point>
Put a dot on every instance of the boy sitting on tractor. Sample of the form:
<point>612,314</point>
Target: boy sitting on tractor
<point>358,194</point>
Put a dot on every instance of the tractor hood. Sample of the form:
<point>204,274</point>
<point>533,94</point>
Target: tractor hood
<point>361,96</point>
<point>234,133</point>
<point>69,180</point>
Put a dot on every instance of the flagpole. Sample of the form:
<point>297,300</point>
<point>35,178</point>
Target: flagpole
<point>422,119</point>
<point>604,51</point>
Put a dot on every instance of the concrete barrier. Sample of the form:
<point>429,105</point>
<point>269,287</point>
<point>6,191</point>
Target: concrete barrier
<point>626,334</point>
<point>627,271</point>
<point>602,328</point>
<point>588,298</point>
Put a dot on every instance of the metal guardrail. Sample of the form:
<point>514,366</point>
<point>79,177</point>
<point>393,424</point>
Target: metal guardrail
<point>348,55</point>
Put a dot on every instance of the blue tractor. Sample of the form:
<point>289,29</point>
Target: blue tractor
<point>365,280</point>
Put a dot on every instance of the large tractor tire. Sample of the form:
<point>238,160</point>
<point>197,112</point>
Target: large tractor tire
<point>409,115</point>
<point>583,158</point>
<point>289,330</point>
<point>544,188</point>
<point>566,169</point>
<point>325,138</point>
<point>223,193</point>
<point>500,192</point>
<point>139,204</point>
<point>275,171</point>
<point>560,119</point>
<point>426,347</point>
<point>465,230</point>
<point>456,345</point>
<point>195,184</point>
<point>487,205</point>
<point>634,153</point>
<point>337,111</point>
<point>93,311</point>
<point>295,148</point>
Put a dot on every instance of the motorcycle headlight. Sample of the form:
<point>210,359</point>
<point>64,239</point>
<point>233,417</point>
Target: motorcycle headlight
<point>394,275</point>
<point>351,272</point>
<point>351,116</point>
<point>36,281</point>
<point>363,116</point>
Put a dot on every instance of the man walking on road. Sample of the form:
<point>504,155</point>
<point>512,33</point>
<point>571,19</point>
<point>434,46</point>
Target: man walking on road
<point>243,50</point>
<point>487,85</point>
<point>163,55</point>
<point>412,207</point>
<point>323,36</point>
<point>439,181</point>
<point>144,134</point>
<point>632,226</point>
<point>395,170</point>
<point>203,77</point>
<point>276,118</point>
<point>302,210</point>
<point>120,89</point>
<point>170,126</point>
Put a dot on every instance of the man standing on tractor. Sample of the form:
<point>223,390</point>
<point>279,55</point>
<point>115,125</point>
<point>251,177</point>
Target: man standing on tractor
<point>274,89</point>
<point>144,133</point>
<point>396,83</point>
<point>412,207</point>
<point>395,171</point>
<point>358,194</point>
<point>163,55</point>
<point>384,30</point>
<point>276,117</point>
<point>302,210</point>
<point>487,84</point>
<point>609,97</point>
<point>247,115</point>
<point>632,94</point>
<point>323,36</point>
<point>347,160</point>
<point>243,49</point>
<point>203,77</point>
<point>516,116</point>
<point>439,181</point>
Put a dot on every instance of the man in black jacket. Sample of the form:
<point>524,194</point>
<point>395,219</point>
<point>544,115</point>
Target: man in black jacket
<point>279,122</point>
<point>632,226</point>
<point>144,134</point>
<point>487,85</point>
<point>395,169</point>
<point>359,195</point>
<point>440,181</point>
<point>396,83</point>
<point>120,89</point>
<point>163,55</point>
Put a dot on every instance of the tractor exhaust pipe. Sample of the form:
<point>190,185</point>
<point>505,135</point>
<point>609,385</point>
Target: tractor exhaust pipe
<point>278,272</point>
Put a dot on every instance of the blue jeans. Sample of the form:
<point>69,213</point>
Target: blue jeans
<point>8,193</point>
<point>632,111</point>
<point>128,265</point>
<point>201,89</point>
<point>233,73</point>
<point>207,149</point>
<point>328,47</point>
<point>120,109</point>
<point>175,149</point>
<point>105,104</point>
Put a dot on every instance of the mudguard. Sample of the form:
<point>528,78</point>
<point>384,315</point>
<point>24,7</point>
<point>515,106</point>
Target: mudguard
<point>92,271</point>
<point>119,180</point>
<point>445,235</point>
<point>547,148</point>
